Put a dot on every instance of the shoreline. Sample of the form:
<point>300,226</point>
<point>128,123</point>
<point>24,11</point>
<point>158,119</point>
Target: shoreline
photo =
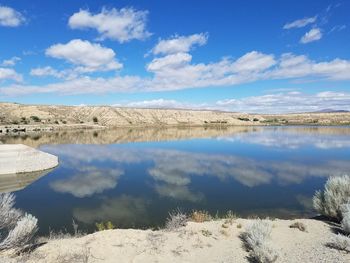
<point>209,241</point>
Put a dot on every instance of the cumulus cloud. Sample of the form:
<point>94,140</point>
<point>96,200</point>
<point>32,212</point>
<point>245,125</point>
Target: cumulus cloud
<point>87,182</point>
<point>10,62</point>
<point>177,168</point>
<point>45,71</point>
<point>176,71</point>
<point>295,138</point>
<point>311,36</point>
<point>289,102</point>
<point>10,17</point>
<point>10,74</point>
<point>179,44</point>
<point>281,102</point>
<point>124,211</point>
<point>122,25</point>
<point>156,103</point>
<point>300,22</point>
<point>88,57</point>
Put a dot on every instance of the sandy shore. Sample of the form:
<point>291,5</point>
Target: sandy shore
<point>213,241</point>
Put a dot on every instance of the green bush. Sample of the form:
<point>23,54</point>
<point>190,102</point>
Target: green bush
<point>35,118</point>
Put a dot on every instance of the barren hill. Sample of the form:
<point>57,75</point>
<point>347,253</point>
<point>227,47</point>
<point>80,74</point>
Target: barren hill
<point>18,114</point>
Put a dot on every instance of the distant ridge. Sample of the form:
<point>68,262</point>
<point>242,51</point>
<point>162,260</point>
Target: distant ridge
<point>330,111</point>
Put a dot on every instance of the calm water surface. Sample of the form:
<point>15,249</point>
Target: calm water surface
<point>124,177</point>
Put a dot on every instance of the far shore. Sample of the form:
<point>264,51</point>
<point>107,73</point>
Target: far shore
<point>19,118</point>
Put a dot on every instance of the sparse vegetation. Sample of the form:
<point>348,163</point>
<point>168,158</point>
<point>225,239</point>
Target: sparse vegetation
<point>257,240</point>
<point>340,242</point>
<point>17,229</point>
<point>104,226</point>
<point>176,220</point>
<point>95,119</point>
<point>243,119</point>
<point>336,193</point>
<point>35,118</point>
<point>200,216</point>
<point>345,223</point>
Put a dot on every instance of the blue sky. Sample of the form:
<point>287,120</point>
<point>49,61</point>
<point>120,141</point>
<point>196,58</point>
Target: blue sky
<point>250,56</point>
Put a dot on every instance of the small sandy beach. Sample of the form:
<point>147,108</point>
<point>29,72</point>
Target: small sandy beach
<point>213,241</point>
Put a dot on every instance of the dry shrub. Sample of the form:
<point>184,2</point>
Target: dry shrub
<point>200,216</point>
<point>176,220</point>
<point>340,242</point>
<point>17,230</point>
<point>345,223</point>
<point>328,202</point>
<point>257,239</point>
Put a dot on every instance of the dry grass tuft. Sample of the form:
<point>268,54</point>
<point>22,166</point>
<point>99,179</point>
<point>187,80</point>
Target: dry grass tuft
<point>200,216</point>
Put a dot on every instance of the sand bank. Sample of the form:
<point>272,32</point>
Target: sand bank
<point>214,241</point>
<point>18,158</point>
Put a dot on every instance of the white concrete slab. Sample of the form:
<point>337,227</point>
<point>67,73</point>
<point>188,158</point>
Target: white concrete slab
<point>19,158</point>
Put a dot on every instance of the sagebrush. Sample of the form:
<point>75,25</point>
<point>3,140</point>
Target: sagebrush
<point>16,229</point>
<point>257,239</point>
<point>176,220</point>
<point>336,193</point>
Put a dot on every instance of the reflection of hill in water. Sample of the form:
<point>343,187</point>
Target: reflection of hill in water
<point>16,182</point>
<point>123,135</point>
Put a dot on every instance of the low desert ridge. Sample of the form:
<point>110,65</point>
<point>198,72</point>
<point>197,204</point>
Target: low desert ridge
<point>18,116</point>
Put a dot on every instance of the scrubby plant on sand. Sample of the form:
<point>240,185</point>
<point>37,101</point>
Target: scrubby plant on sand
<point>345,223</point>
<point>340,242</point>
<point>329,201</point>
<point>257,239</point>
<point>200,216</point>
<point>104,226</point>
<point>16,229</point>
<point>176,220</point>
<point>334,202</point>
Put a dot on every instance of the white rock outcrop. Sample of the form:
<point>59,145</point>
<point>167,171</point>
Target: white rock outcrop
<point>19,158</point>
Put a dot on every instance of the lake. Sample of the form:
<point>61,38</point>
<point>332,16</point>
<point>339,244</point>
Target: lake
<point>135,177</point>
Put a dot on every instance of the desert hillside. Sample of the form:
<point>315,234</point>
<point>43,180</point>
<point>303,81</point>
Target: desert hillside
<point>18,114</point>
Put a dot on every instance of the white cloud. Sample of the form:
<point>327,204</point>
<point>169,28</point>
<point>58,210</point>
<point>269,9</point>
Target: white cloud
<point>10,17</point>
<point>89,57</point>
<point>300,22</point>
<point>313,35</point>
<point>283,102</point>
<point>156,103</point>
<point>337,28</point>
<point>10,74</point>
<point>179,44</point>
<point>87,182</point>
<point>294,137</point>
<point>253,61</point>
<point>45,71</point>
<point>176,71</point>
<point>123,25</point>
<point>289,102</point>
<point>10,62</point>
<point>168,62</point>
